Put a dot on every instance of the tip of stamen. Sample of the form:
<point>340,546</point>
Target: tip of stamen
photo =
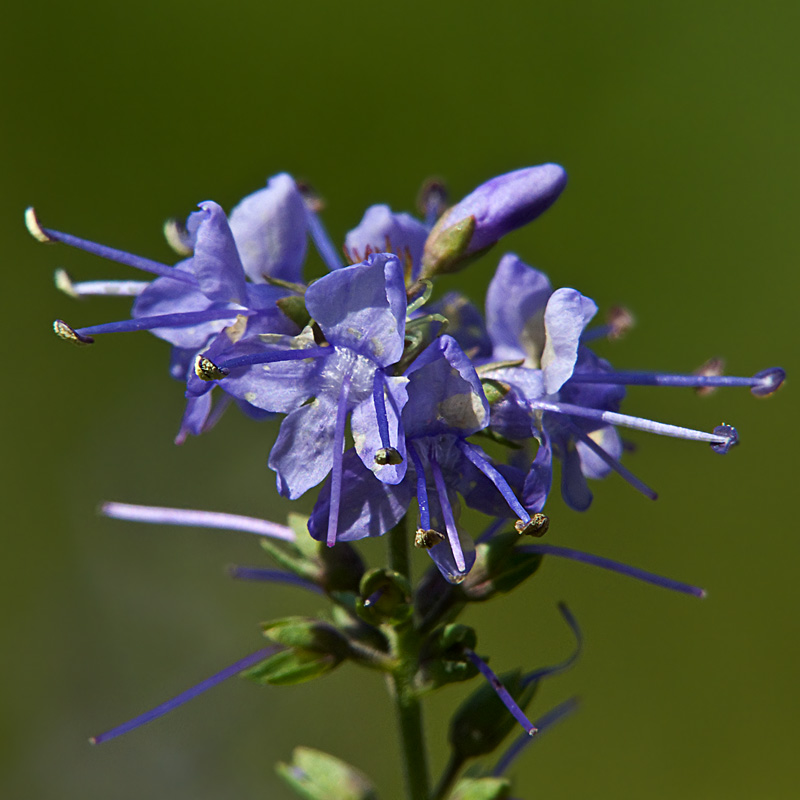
<point>207,370</point>
<point>425,540</point>
<point>713,368</point>
<point>620,320</point>
<point>537,525</point>
<point>68,334</point>
<point>33,226</point>
<point>769,381</point>
<point>64,283</point>
<point>388,455</point>
<point>732,438</point>
<point>92,740</point>
<point>177,237</point>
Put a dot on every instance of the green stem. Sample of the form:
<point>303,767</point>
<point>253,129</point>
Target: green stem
<point>448,778</point>
<point>407,704</point>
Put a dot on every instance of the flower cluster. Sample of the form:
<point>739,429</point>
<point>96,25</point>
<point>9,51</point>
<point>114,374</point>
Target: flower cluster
<point>387,394</point>
<point>419,382</point>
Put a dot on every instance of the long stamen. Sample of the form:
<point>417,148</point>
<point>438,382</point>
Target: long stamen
<point>761,384</point>
<point>161,515</point>
<point>502,692</point>
<point>322,241</point>
<point>184,697</point>
<point>491,472</point>
<point>422,489</point>
<point>182,320</point>
<point>336,471</point>
<point>555,669</point>
<point>121,257</point>
<point>271,576</point>
<point>637,423</point>
<point>612,462</point>
<point>447,513</point>
<point>614,566</point>
<point>387,454</point>
<point>64,283</point>
<point>379,402</point>
<point>544,722</point>
<point>271,356</point>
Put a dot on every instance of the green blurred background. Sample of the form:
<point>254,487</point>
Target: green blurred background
<point>678,125</point>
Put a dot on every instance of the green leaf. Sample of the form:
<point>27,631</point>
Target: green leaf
<point>481,789</point>
<point>315,775</point>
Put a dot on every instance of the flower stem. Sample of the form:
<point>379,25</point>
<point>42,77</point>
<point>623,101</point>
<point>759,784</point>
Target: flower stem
<point>408,708</point>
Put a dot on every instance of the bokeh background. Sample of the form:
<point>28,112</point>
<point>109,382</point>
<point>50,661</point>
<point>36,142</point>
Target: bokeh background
<point>678,124</point>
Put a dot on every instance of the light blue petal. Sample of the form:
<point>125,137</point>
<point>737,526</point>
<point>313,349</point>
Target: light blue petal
<point>445,393</point>
<point>366,435</point>
<point>363,308</point>
<point>270,228</point>
<point>215,262</point>
<point>568,312</point>
<point>383,231</point>
<point>368,506</point>
<point>515,303</point>
<point>303,453</point>
<point>592,465</point>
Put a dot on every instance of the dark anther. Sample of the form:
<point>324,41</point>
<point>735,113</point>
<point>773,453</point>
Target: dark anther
<point>537,525</point>
<point>207,370</point>
<point>427,539</point>
<point>68,334</point>
<point>388,455</point>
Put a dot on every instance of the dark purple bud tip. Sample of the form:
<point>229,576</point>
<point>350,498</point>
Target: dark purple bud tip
<point>731,438</point>
<point>388,455</point>
<point>33,226</point>
<point>425,540</point>
<point>769,381</point>
<point>432,198</point>
<point>313,200</point>
<point>537,525</point>
<point>207,370</point>
<point>68,334</point>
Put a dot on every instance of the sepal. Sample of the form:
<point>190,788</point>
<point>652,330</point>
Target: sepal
<point>384,597</point>
<point>499,568</point>
<point>482,721</point>
<point>443,660</point>
<point>315,775</point>
<point>446,249</point>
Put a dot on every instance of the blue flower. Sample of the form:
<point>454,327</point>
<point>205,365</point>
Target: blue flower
<point>446,405</point>
<point>361,313</point>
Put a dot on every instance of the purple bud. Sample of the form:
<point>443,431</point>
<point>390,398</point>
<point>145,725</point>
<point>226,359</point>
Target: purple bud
<point>494,209</point>
<point>508,202</point>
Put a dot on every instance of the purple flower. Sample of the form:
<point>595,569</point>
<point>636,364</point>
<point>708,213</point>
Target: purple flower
<point>494,209</point>
<point>446,405</point>
<point>569,396</point>
<point>192,303</point>
<point>360,310</point>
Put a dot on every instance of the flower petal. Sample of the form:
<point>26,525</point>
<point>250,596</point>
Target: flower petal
<point>216,262</point>
<point>270,228</point>
<point>363,308</point>
<point>515,306</point>
<point>368,506</point>
<point>568,312</point>
<point>383,231</point>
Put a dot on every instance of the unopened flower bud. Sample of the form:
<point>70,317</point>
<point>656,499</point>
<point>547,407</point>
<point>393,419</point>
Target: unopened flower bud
<point>494,209</point>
